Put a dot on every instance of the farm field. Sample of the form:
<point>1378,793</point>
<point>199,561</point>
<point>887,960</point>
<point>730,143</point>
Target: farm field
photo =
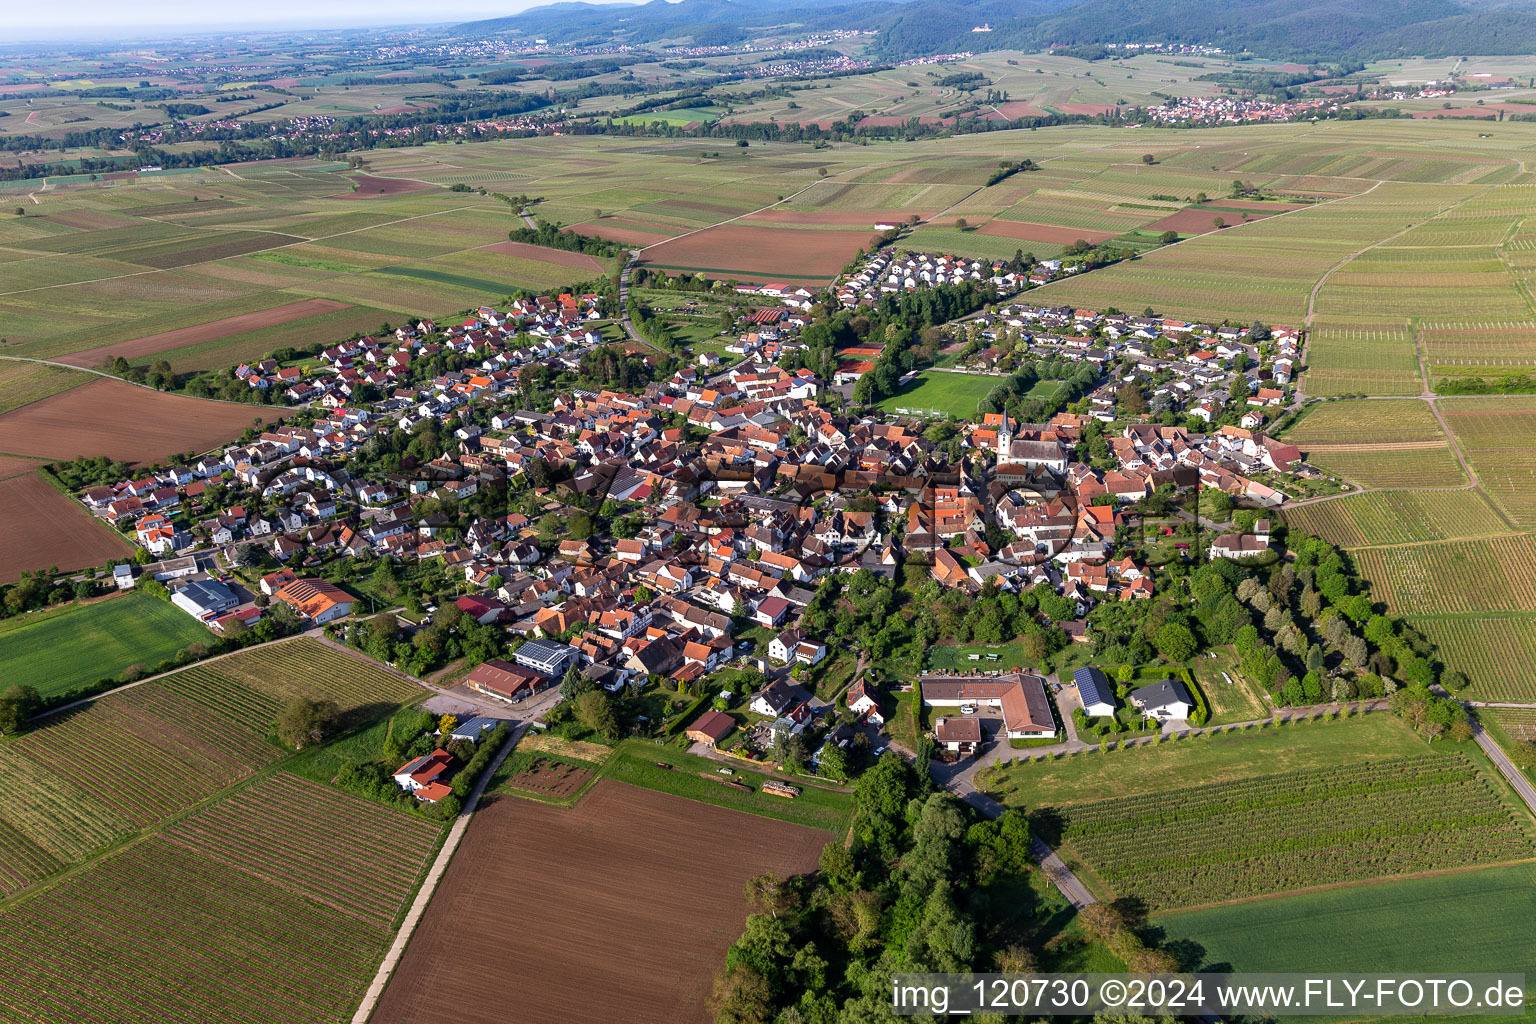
<point>1398,517</point>
<point>1498,436</point>
<point>23,383</point>
<point>1386,443</point>
<point>45,528</point>
<point>100,773</point>
<point>621,849</point>
<point>136,349</point>
<point>133,759</point>
<point>1455,922</point>
<point>1349,356</point>
<point>1218,842</point>
<point>1359,423</point>
<point>1498,653</point>
<point>285,898</point>
<point>1417,464</point>
<point>305,667</point>
<point>764,254</point>
<point>943,394</point>
<point>88,420</point>
<point>1085,778</point>
<point>84,643</point>
<point>201,267</point>
<point>1453,576</point>
<point>143,256</point>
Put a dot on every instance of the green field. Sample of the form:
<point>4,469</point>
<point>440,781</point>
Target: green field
<point>81,644</point>
<point>635,763</point>
<point>681,116</point>
<point>1469,921</point>
<point>943,394</point>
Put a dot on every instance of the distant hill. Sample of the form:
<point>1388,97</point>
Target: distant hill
<point>1298,29</point>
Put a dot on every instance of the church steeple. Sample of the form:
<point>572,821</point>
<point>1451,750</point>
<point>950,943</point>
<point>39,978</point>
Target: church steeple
<point>1004,437</point>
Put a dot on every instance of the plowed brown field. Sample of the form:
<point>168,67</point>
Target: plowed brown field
<point>619,909</point>
<point>42,528</point>
<point>760,252</point>
<point>370,186</point>
<point>132,424</point>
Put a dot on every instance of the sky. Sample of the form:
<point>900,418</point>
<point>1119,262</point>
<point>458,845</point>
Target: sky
<point>97,19</point>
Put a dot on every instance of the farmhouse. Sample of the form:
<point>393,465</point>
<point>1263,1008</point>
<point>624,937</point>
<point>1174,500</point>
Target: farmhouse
<point>710,728</point>
<point>316,600</point>
<point>423,776</point>
<point>1095,691</point>
<point>1020,697</point>
<point>961,735</point>
<point>506,681</point>
<point>1164,701</point>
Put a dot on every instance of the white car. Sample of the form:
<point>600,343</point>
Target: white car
<point>967,709</point>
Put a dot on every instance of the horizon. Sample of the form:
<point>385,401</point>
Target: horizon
<point>100,21</point>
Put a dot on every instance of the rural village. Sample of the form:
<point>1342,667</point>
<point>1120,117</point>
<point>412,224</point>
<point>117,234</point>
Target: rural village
<point>732,499</point>
<point>696,512</point>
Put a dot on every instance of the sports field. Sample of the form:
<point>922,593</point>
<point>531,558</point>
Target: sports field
<point>943,394</point>
<point>84,643</point>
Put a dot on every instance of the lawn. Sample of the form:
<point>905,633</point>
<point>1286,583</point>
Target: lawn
<point>957,657</point>
<point>1468,921</point>
<point>1083,778</point>
<point>636,763</point>
<point>80,644</point>
<point>943,394</point>
<point>1235,701</point>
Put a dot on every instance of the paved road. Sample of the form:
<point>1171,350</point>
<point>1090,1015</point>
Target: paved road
<point>429,885</point>
<point>1070,885</point>
<point>629,325</point>
<point>1514,776</point>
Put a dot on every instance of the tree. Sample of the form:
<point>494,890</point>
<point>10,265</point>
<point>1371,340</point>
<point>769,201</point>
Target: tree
<point>446,725</point>
<point>961,223</point>
<point>1239,390</point>
<point>594,710</point>
<point>303,721</point>
<point>1218,222</point>
<point>1148,159</point>
<point>769,893</point>
<point>17,704</point>
<point>834,763</point>
<point>1175,642</point>
<point>740,994</point>
<point>1168,237</point>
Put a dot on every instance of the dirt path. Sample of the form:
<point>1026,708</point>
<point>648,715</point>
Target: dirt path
<point>429,884</point>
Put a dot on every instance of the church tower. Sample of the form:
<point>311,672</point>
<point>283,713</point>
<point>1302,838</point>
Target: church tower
<point>1004,438</point>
